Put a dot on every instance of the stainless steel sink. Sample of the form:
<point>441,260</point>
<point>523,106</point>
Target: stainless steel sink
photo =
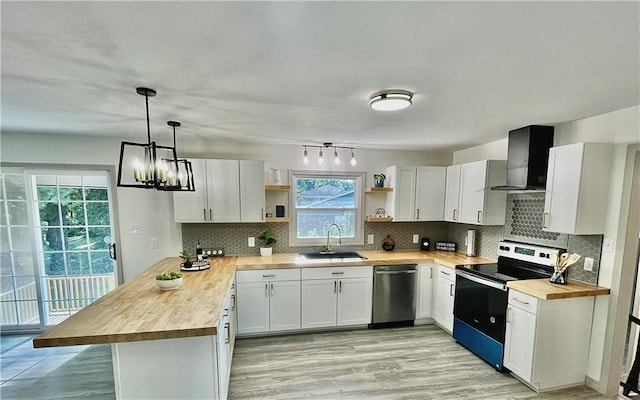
<point>338,256</point>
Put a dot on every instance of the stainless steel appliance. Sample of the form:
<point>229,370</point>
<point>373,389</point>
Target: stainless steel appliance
<point>394,295</point>
<point>480,303</point>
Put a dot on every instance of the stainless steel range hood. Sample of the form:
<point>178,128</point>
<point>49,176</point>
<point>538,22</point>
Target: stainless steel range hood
<point>527,158</point>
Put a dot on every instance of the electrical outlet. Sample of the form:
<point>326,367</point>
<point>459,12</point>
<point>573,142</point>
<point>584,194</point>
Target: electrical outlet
<point>588,264</point>
<point>251,242</point>
<point>369,239</point>
<point>154,243</point>
<point>416,238</point>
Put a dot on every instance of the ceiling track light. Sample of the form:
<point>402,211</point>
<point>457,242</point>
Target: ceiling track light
<point>152,166</point>
<point>391,100</point>
<point>336,156</point>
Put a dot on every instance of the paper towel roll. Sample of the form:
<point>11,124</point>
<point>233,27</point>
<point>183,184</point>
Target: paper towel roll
<point>471,242</point>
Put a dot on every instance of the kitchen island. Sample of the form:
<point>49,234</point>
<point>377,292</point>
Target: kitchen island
<point>178,344</point>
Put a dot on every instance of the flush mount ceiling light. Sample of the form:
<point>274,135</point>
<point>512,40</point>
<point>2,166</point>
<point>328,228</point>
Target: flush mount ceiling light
<point>326,145</point>
<point>152,166</point>
<point>391,100</point>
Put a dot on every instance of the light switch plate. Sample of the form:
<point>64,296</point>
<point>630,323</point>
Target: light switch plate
<point>416,238</point>
<point>251,242</point>
<point>369,239</point>
<point>154,243</point>
<point>588,264</point>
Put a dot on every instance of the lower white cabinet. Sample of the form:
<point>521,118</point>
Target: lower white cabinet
<point>339,296</point>
<point>424,308</point>
<point>224,349</point>
<point>268,300</point>
<point>547,341</point>
<point>444,294</point>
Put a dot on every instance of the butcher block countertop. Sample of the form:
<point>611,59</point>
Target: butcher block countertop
<point>378,257</point>
<point>139,310</point>
<point>545,290</point>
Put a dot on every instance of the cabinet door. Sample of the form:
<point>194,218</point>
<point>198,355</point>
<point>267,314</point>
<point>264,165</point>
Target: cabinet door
<point>425,291</point>
<point>563,188</point>
<point>193,206</point>
<point>443,300</point>
<point>252,194</point>
<point>319,303</point>
<point>284,305</point>
<point>223,357</point>
<point>452,194</point>
<point>224,190</point>
<point>354,301</point>
<point>472,192</point>
<point>253,307</point>
<point>430,192</point>
<point>520,342</point>
<point>405,194</point>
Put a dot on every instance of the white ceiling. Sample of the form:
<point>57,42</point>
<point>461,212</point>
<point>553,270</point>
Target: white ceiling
<point>302,72</point>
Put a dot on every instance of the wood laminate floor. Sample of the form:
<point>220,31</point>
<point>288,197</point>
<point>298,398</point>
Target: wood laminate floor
<point>405,363</point>
<point>421,362</point>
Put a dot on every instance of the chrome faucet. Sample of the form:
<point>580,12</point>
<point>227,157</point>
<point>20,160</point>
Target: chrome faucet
<point>328,246</point>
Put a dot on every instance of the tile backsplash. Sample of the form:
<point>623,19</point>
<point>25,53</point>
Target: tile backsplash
<point>523,224</point>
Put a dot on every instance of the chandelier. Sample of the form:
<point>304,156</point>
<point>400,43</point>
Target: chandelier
<point>153,166</point>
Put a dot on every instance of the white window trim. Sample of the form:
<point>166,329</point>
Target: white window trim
<point>359,177</point>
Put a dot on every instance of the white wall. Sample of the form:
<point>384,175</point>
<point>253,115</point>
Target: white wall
<point>152,211</point>
<point>489,151</point>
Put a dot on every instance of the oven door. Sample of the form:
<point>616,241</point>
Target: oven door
<point>479,312</point>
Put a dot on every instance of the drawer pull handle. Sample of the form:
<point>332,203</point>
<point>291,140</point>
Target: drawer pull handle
<point>227,328</point>
<point>519,301</point>
<point>233,302</point>
<point>269,276</point>
<point>445,273</point>
<point>337,273</point>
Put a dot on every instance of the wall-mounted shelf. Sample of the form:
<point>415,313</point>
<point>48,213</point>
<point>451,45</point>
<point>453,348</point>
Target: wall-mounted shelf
<point>378,189</point>
<point>277,187</point>
<point>276,219</point>
<point>378,219</point>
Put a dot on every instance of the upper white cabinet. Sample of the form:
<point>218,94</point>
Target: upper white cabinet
<point>226,191</point>
<point>468,197</point>
<point>577,188</point>
<point>418,193</point>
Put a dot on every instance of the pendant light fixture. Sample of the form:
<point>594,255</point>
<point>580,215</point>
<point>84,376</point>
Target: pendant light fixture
<point>146,165</point>
<point>179,179</point>
<point>391,100</point>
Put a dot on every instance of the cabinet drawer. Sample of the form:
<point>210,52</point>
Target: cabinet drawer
<point>523,301</point>
<point>337,272</point>
<point>264,275</point>
<point>446,273</point>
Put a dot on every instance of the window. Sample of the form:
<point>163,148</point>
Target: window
<point>323,199</point>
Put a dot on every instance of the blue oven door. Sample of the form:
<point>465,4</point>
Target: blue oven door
<point>480,308</point>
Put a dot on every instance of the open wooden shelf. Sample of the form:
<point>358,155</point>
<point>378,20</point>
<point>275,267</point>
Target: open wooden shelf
<point>277,187</point>
<point>378,189</point>
<point>378,219</point>
<point>276,219</point>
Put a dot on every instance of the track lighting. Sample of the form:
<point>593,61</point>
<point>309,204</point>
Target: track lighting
<point>326,145</point>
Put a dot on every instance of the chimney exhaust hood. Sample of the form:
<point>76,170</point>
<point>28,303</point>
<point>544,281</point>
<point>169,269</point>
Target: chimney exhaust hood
<point>527,158</point>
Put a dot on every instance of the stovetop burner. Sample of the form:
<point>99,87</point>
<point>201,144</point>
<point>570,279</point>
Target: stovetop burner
<point>516,261</point>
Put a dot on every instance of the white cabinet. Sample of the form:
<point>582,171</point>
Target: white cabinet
<point>226,191</point>
<point>444,295</point>
<point>547,341</point>
<point>339,296</point>
<point>468,197</point>
<point>224,349</point>
<point>268,300</point>
<point>577,188</point>
<point>424,307</point>
<point>418,193</point>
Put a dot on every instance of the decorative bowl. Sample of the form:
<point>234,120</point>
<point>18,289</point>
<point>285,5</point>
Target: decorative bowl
<point>169,284</point>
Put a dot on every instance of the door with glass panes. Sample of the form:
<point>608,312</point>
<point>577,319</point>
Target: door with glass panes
<point>55,234</point>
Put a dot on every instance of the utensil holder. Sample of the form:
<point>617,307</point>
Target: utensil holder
<point>559,278</point>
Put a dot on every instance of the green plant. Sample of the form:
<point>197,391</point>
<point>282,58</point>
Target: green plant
<point>185,255</point>
<point>379,176</point>
<point>268,237</point>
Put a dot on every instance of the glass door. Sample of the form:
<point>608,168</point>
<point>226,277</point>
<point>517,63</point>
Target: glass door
<point>56,231</point>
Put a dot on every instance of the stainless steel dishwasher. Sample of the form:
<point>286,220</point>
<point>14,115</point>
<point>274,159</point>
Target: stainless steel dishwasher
<point>394,295</point>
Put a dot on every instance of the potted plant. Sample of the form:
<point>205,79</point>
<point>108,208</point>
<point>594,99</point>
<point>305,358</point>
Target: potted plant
<point>379,179</point>
<point>187,259</point>
<point>269,239</point>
